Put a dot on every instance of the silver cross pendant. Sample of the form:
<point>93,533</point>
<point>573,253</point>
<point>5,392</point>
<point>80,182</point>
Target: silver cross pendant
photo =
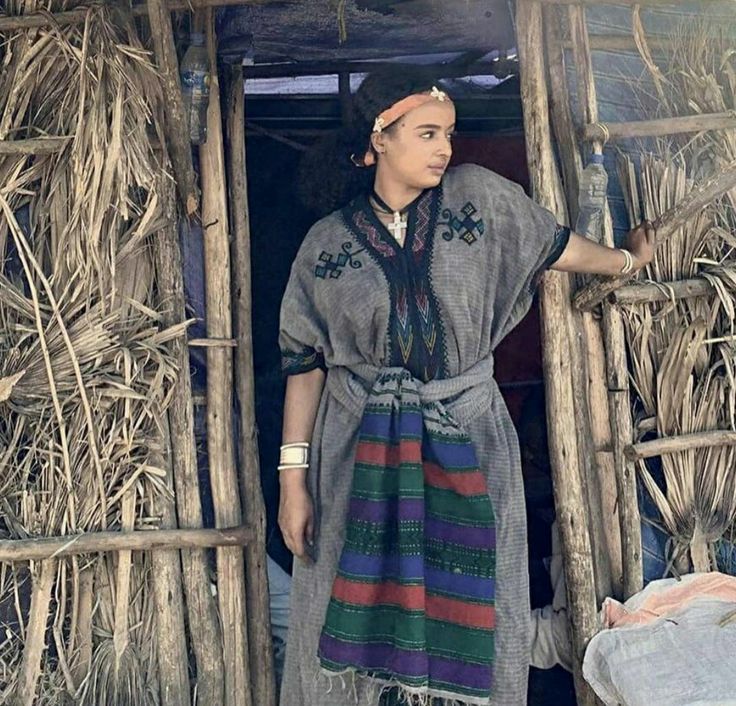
<point>398,227</point>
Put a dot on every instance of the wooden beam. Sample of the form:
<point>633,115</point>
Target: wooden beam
<point>76,17</point>
<point>698,198</point>
<point>645,293</point>
<point>554,291</point>
<point>685,442</point>
<point>34,146</point>
<point>654,128</point>
<point>501,68</point>
<point>41,548</point>
<point>231,595</point>
<point>176,124</point>
<point>259,617</point>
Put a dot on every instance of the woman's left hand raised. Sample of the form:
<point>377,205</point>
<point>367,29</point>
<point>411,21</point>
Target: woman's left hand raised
<point>641,242</point>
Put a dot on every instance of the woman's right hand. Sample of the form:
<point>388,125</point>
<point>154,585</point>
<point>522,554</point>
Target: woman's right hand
<point>296,513</point>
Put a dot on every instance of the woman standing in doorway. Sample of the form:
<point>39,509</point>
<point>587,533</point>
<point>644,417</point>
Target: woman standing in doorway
<point>401,486</point>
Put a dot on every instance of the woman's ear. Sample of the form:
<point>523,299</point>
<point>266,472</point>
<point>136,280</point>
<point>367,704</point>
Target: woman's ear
<point>378,142</point>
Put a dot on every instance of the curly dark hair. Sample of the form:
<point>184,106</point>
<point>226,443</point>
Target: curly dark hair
<point>328,179</point>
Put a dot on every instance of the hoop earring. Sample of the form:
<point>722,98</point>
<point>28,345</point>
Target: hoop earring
<point>356,162</point>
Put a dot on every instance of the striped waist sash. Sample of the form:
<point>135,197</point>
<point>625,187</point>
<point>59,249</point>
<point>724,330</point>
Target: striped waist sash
<point>412,604</point>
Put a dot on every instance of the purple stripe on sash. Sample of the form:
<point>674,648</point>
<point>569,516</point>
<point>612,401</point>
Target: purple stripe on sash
<point>459,584</point>
<point>449,456</point>
<point>391,566</point>
<point>385,511</point>
<point>379,425</point>
<point>476,537</point>
<point>385,657</point>
<point>475,676</point>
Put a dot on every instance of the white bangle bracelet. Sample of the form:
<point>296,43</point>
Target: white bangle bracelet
<point>290,466</point>
<point>294,454</point>
<point>629,264</point>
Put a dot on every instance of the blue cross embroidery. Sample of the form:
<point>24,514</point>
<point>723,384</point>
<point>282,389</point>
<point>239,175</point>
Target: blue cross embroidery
<point>467,228</point>
<point>332,267</point>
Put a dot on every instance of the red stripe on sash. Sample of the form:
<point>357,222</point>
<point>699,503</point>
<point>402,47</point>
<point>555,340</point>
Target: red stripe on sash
<point>452,610</point>
<point>463,483</point>
<point>385,593</point>
<point>379,454</point>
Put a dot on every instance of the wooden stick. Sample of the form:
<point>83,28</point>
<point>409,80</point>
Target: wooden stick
<point>259,617</point>
<point>34,146</point>
<point>568,490</point>
<point>646,292</point>
<point>617,374</point>
<point>697,199</point>
<point>35,636</point>
<point>212,342</point>
<point>223,473</point>
<point>204,627</point>
<point>664,126</point>
<point>138,540</point>
<point>176,125</point>
<point>673,444</point>
<point>74,17</point>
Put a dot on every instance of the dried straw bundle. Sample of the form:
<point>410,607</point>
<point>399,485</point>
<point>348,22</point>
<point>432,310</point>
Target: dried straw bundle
<point>682,352</point>
<point>84,363</point>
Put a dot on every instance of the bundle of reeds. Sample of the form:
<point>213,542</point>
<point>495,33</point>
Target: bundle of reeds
<point>85,367</point>
<point>682,352</point>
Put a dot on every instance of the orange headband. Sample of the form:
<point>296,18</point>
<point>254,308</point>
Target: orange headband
<point>397,110</point>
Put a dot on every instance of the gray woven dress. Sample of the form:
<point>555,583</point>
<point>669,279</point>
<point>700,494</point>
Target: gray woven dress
<point>356,304</point>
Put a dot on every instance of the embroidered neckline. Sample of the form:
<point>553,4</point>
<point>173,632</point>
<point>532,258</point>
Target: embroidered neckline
<point>416,333</point>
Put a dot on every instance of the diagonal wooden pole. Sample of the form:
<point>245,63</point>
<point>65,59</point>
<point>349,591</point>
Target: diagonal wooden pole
<point>223,473</point>
<point>554,298</point>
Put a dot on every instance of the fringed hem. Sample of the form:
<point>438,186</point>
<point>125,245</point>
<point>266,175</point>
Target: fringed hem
<point>412,696</point>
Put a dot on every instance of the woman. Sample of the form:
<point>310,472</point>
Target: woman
<point>407,509</point>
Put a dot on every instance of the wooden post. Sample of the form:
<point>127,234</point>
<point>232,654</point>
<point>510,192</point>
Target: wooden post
<point>346,99</point>
<point>176,123</point>
<point>35,637</point>
<point>204,628</point>
<point>259,617</point>
<point>619,404</point>
<point>590,375</point>
<point>569,496</point>
<point>223,473</point>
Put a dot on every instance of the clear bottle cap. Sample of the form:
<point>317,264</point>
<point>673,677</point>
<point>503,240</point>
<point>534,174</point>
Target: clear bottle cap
<point>197,39</point>
<point>596,159</point>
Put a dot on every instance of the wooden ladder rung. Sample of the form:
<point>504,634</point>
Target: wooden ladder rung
<point>213,343</point>
<point>664,126</point>
<point>33,146</point>
<point>673,444</point>
<point>648,292</point>
<point>40,548</point>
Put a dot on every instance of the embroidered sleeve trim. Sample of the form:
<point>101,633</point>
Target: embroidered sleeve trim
<point>303,361</point>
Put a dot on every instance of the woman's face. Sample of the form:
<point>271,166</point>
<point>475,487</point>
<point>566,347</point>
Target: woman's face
<point>416,149</point>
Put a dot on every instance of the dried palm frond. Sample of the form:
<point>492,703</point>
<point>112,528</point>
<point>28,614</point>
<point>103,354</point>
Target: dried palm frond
<point>682,352</point>
<point>85,367</point>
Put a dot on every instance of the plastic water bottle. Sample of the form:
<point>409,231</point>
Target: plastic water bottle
<point>195,86</point>
<point>592,198</point>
